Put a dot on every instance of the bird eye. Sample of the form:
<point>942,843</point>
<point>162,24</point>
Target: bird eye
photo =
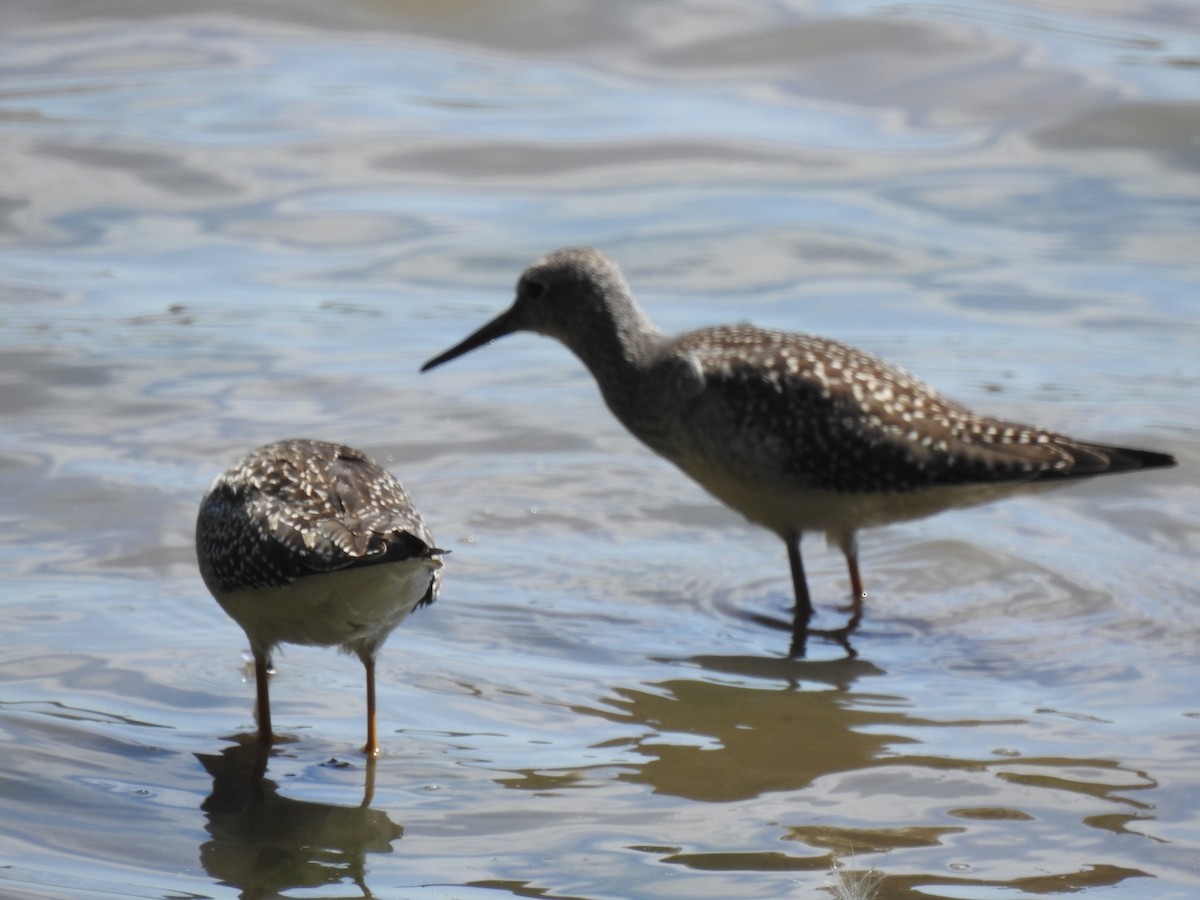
<point>534,290</point>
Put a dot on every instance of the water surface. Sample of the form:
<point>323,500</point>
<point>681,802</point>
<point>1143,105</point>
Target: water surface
<point>223,224</point>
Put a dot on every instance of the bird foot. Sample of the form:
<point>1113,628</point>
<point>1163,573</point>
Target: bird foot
<point>839,636</point>
<point>769,621</point>
<point>855,606</point>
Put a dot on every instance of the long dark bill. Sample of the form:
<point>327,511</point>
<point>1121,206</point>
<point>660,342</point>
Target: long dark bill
<point>497,328</point>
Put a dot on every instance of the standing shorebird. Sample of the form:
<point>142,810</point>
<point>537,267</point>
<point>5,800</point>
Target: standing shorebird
<point>305,542</point>
<point>797,433</point>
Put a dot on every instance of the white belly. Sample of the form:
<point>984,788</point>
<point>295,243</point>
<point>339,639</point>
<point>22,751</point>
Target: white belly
<point>786,510</point>
<point>353,608</point>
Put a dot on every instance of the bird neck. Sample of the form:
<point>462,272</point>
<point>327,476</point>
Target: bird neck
<point>616,346</point>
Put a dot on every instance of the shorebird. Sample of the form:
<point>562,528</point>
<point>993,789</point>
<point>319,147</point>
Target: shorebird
<point>797,433</point>
<point>306,542</point>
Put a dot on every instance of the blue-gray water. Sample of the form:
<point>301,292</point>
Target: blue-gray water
<point>225,223</point>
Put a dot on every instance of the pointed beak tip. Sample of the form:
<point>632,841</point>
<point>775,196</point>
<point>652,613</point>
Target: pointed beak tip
<point>453,353</point>
<point>498,327</point>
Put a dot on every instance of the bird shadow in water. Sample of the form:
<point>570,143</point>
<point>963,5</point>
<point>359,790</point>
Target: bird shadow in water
<point>266,844</point>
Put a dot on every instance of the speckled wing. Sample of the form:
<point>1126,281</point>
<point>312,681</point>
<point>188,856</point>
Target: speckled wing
<point>824,415</point>
<point>298,508</point>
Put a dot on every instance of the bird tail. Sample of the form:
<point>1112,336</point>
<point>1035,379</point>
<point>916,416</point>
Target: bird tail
<point>1105,459</point>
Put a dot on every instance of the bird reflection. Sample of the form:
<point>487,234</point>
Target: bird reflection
<point>762,725</point>
<point>798,648</point>
<point>266,845</point>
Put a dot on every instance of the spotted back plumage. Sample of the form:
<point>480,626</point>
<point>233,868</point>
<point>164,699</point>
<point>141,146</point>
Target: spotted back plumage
<point>824,415</point>
<point>299,507</point>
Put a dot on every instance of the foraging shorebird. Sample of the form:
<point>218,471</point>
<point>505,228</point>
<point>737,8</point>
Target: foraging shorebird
<point>797,433</point>
<point>306,542</point>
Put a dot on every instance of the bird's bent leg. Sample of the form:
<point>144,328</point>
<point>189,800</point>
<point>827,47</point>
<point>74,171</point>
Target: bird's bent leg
<point>856,588</point>
<point>849,547</point>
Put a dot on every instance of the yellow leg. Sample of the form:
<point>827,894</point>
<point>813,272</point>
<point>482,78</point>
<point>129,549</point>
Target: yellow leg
<point>372,746</point>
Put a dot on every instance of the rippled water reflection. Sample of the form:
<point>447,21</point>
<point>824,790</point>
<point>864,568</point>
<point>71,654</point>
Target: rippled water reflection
<point>226,224</point>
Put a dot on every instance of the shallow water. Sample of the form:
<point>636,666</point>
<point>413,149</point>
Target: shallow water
<point>223,224</point>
